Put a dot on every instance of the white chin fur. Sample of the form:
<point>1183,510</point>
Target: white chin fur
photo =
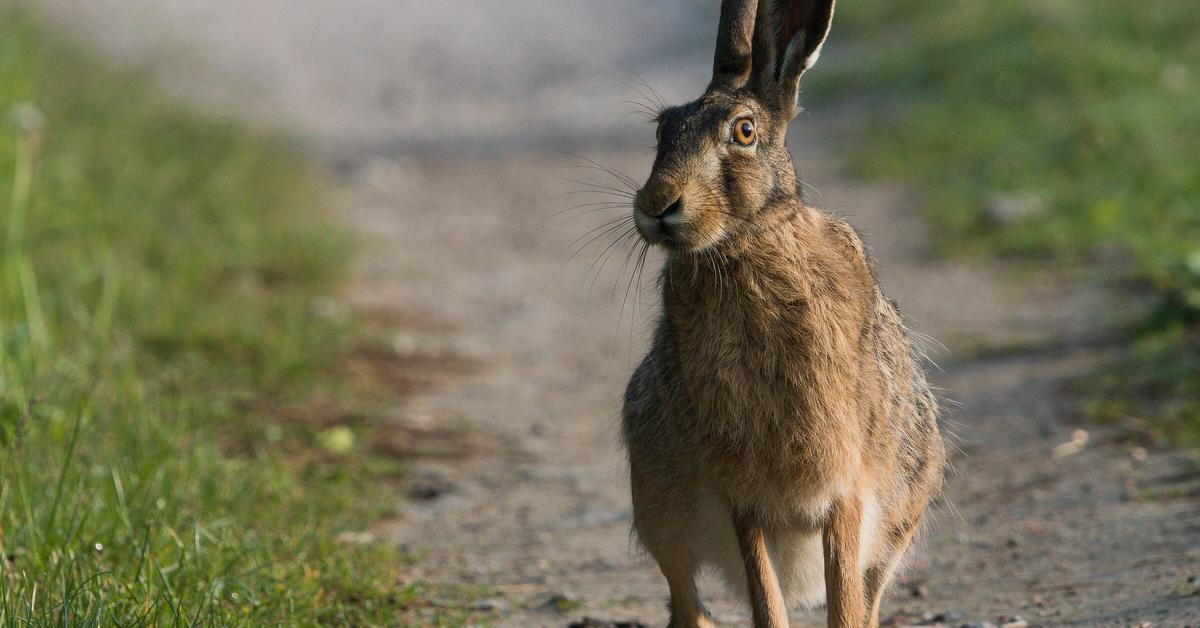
<point>647,226</point>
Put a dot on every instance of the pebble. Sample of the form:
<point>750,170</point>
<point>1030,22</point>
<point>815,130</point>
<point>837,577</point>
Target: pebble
<point>492,605</point>
<point>429,489</point>
<point>592,622</point>
<point>955,619</point>
<point>1079,438</point>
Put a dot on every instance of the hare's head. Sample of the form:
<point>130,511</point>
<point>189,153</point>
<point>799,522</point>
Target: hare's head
<point>722,158</point>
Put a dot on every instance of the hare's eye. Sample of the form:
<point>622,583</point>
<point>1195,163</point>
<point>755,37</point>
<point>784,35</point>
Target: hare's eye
<point>744,131</point>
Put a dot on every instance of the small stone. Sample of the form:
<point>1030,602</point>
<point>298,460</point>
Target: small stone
<point>429,489</point>
<point>592,622</point>
<point>491,605</point>
<point>904,617</point>
<point>1014,621</point>
<point>921,591</point>
<point>1079,438</point>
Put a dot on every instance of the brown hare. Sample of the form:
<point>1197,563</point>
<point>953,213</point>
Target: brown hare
<point>780,428</point>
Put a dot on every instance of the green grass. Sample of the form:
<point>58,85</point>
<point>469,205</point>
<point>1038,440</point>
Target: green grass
<point>165,288</point>
<point>1059,130</point>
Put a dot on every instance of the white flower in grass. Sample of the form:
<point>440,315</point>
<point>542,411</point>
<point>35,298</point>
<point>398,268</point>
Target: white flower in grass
<point>27,119</point>
<point>1192,262</point>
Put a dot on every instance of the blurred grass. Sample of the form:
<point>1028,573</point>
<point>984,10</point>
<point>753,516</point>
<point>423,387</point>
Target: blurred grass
<point>164,284</point>
<point>1062,130</point>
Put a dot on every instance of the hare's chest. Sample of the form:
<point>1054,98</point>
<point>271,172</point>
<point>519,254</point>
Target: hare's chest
<point>769,404</point>
<point>739,364</point>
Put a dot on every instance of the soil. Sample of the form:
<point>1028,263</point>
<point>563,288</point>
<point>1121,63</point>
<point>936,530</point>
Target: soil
<point>454,190</point>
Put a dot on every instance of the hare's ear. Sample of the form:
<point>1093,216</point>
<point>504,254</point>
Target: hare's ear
<point>788,35</point>
<point>731,68</point>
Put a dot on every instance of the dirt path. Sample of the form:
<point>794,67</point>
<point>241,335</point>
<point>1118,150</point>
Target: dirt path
<point>1081,538</point>
<point>460,251</point>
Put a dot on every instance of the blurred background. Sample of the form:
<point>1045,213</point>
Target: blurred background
<point>320,312</point>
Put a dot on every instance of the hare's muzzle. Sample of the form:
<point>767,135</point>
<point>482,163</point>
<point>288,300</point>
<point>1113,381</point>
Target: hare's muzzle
<point>658,215</point>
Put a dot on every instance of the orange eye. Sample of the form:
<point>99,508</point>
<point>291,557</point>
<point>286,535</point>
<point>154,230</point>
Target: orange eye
<point>744,132</point>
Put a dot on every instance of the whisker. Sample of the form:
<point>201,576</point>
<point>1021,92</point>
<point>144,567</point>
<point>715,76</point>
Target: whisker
<point>642,108</point>
<point>811,187</point>
<point>653,91</point>
<point>613,221</point>
<point>637,297</point>
<point>616,174</point>
<point>650,102</point>
<point>625,298</point>
<point>643,114</point>
<point>638,103</point>
<point>602,259</point>
<point>621,273</point>
<point>629,285</point>
<point>603,229</point>
<point>587,208</point>
<point>617,193</point>
<point>596,185</point>
<point>585,246</point>
<point>598,204</point>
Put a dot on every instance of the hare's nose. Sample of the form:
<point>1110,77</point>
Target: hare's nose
<point>656,220</point>
<point>672,210</point>
<point>670,218</point>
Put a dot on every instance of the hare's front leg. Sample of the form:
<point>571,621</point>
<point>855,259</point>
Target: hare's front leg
<point>843,577</point>
<point>662,528</point>
<point>766,599</point>
<point>680,569</point>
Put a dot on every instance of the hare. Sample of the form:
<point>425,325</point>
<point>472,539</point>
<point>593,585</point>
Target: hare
<point>780,428</point>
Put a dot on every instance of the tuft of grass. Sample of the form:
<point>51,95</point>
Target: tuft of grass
<point>1153,391</point>
<point>1062,130</point>
<point>165,282</point>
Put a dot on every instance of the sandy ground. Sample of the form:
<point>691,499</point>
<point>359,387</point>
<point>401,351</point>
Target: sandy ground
<point>447,126</point>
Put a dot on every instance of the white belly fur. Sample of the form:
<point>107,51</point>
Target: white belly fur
<point>796,554</point>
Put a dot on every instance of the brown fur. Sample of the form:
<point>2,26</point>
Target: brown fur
<point>781,388</point>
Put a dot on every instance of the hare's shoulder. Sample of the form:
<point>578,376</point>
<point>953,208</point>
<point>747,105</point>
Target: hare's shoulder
<point>847,239</point>
<point>650,390</point>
